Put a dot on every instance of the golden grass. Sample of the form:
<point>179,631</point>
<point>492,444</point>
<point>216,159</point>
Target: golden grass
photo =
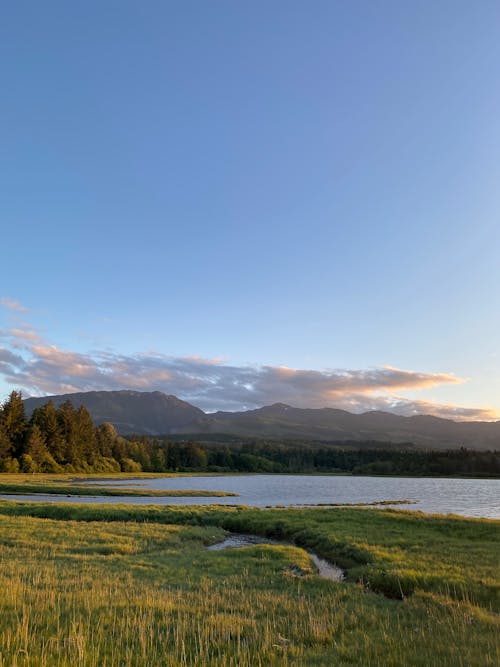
<point>65,484</point>
<point>103,594</point>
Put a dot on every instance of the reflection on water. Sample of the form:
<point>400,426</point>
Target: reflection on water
<point>466,497</point>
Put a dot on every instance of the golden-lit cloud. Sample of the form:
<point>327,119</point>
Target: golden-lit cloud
<point>38,367</point>
<point>25,335</point>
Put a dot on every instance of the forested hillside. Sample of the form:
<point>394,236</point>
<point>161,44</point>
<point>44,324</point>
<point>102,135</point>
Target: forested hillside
<point>65,439</point>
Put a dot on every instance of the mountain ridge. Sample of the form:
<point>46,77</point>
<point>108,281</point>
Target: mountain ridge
<point>130,411</point>
<point>156,413</point>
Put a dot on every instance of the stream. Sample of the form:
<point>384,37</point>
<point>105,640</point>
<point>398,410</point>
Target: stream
<point>325,569</point>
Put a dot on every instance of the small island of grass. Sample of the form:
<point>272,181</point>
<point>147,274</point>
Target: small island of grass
<point>55,485</point>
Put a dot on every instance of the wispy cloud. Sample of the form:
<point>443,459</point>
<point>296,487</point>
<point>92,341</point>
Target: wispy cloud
<point>409,408</point>
<point>31,363</point>
<point>11,304</point>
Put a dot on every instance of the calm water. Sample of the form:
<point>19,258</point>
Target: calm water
<point>467,497</point>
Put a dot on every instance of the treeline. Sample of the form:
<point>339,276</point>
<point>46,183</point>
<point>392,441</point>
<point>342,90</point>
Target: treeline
<point>61,439</point>
<point>64,439</point>
<point>368,458</point>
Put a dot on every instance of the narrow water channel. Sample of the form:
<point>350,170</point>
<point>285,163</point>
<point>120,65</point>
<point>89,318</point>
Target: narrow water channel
<point>325,570</point>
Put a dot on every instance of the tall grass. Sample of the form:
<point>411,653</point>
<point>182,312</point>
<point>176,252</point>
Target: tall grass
<point>388,551</point>
<point>106,586</point>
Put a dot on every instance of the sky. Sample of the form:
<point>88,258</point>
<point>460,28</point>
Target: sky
<point>241,203</point>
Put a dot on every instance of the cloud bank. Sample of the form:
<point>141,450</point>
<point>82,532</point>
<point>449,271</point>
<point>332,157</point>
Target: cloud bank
<point>30,363</point>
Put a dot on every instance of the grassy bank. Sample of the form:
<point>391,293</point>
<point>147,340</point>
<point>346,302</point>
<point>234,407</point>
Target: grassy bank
<point>69,485</point>
<point>10,489</point>
<point>106,585</point>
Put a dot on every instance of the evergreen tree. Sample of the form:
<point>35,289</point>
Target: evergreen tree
<point>84,439</point>
<point>195,456</point>
<point>36,448</point>
<point>106,437</point>
<point>158,460</point>
<point>14,422</point>
<point>46,418</point>
<point>5,443</point>
<point>66,420</point>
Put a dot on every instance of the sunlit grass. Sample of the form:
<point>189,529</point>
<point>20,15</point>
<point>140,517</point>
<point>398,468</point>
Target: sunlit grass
<point>72,486</point>
<point>133,589</point>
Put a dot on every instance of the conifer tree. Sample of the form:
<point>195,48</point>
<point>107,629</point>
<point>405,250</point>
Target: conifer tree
<point>5,443</point>
<point>84,439</point>
<point>14,422</point>
<point>36,447</point>
<point>45,417</point>
<point>106,437</point>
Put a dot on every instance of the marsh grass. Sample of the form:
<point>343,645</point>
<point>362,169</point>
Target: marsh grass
<point>69,485</point>
<point>390,551</point>
<point>132,586</point>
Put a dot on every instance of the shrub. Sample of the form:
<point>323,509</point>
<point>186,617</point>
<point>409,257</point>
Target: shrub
<point>128,465</point>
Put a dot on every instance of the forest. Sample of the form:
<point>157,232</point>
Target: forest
<point>65,439</point>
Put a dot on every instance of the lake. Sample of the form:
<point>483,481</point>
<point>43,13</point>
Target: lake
<point>466,497</point>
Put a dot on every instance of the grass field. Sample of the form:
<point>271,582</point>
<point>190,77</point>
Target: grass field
<point>131,586</point>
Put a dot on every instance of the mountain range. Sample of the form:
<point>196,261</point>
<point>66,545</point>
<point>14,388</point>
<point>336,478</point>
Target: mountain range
<point>156,413</point>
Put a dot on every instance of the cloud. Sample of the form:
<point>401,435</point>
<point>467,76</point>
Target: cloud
<point>410,408</point>
<point>213,384</point>
<point>19,336</point>
<point>445,410</point>
<point>12,305</point>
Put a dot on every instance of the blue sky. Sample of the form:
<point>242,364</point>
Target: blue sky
<point>265,184</point>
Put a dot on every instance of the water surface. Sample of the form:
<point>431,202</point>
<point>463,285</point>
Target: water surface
<point>466,497</point>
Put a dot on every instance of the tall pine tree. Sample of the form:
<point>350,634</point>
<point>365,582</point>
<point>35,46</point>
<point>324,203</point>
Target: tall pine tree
<point>14,422</point>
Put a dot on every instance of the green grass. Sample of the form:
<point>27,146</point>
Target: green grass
<point>130,586</point>
<point>54,484</point>
<point>10,489</point>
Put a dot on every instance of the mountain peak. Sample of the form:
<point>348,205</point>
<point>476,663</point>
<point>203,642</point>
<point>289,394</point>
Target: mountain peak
<point>130,411</point>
